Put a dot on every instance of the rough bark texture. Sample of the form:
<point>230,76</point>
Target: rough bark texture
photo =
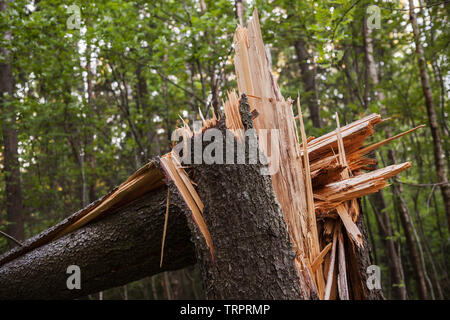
<point>253,257</point>
<point>393,262</point>
<point>13,189</point>
<point>405,218</point>
<point>308,77</point>
<point>120,248</point>
<point>432,117</point>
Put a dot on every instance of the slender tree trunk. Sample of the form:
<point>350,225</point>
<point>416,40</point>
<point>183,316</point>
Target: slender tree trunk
<point>432,117</point>
<point>152,140</point>
<point>240,8</point>
<point>209,36</point>
<point>125,292</point>
<point>377,199</point>
<point>165,91</point>
<point>14,208</point>
<point>308,78</point>
<point>253,257</point>
<point>74,139</point>
<point>424,240</point>
<point>414,256</point>
<point>179,285</point>
<point>84,188</point>
<point>215,92</point>
<point>432,10</point>
<point>167,286</point>
<point>154,287</point>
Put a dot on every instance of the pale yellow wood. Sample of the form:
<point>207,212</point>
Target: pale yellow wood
<point>189,195</point>
<point>342,269</point>
<point>316,269</point>
<point>331,272</point>
<point>349,225</point>
<point>166,220</point>
<point>331,195</point>
<point>254,78</point>
<point>316,264</point>
<point>385,141</point>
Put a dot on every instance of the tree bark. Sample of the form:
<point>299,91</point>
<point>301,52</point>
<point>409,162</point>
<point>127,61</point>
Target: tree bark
<point>432,117</point>
<point>308,77</point>
<point>393,261</point>
<point>253,257</point>
<point>14,209</point>
<point>120,248</point>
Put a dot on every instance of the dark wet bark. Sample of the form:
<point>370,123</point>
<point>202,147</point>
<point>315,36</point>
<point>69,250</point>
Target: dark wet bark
<point>308,77</point>
<point>120,248</point>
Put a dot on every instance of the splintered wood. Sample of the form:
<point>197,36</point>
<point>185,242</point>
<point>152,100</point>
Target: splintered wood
<point>319,181</point>
<point>254,78</point>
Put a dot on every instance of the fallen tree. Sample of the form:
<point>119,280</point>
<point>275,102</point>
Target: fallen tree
<point>252,256</point>
<point>297,233</point>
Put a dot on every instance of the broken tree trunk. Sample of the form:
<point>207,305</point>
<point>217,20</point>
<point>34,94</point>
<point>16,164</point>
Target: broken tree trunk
<point>256,237</point>
<point>123,247</point>
<point>253,257</point>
